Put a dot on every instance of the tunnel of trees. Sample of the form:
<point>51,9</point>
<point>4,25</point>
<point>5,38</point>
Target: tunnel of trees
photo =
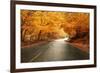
<point>47,25</point>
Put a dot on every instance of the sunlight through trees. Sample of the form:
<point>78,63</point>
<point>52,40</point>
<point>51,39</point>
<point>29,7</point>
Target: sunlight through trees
<point>47,25</point>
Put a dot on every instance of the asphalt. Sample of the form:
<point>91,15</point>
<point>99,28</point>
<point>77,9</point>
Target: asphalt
<point>52,51</point>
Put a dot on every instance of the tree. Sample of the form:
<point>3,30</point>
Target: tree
<point>40,24</point>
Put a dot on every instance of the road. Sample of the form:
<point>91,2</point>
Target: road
<point>57,50</point>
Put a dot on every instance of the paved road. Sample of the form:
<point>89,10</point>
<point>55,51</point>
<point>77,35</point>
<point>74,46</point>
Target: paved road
<point>57,50</point>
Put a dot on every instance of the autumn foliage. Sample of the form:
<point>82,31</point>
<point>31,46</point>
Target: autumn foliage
<point>47,25</point>
<point>41,25</point>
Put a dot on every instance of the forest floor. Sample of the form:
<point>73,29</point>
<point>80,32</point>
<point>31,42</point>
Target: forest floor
<point>28,45</point>
<point>82,44</point>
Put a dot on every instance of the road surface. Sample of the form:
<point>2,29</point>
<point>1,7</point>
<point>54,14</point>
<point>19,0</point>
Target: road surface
<point>57,50</point>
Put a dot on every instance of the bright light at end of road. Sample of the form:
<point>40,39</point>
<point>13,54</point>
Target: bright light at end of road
<point>63,39</point>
